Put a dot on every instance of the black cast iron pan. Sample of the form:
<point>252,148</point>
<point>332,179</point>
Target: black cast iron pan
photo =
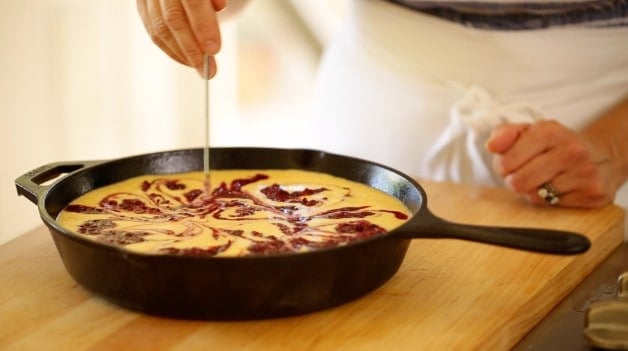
<point>252,287</point>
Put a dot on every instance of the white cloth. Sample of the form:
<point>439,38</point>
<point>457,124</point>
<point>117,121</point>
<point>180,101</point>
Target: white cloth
<point>421,94</point>
<point>458,153</point>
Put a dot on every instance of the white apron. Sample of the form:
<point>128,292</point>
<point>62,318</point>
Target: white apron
<point>421,94</point>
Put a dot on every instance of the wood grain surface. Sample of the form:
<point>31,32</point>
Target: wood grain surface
<point>447,295</point>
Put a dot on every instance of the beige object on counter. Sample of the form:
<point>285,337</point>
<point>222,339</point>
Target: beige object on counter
<point>606,322</point>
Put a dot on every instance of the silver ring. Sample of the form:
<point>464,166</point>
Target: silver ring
<point>548,193</point>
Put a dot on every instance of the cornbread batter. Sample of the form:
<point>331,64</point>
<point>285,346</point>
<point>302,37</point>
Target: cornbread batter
<point>246,212</point>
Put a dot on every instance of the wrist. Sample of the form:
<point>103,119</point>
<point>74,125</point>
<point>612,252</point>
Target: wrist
<point>610,153</point>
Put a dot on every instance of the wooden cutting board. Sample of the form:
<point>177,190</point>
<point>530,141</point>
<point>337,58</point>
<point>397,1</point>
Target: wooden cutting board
<point>447,295</point>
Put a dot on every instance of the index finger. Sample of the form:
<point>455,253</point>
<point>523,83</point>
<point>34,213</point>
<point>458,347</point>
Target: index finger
<point>535,140</point>
<point>176,15</point>
<point>504,136</point>
<point>159,33</point>
<point>204,24</point>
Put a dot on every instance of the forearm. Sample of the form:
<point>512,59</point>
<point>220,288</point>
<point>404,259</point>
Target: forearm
<point>609,134</point>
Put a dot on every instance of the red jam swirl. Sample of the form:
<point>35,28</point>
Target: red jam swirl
<point>170,200</point>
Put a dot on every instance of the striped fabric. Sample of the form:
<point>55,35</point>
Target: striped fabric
<point>522,15</point>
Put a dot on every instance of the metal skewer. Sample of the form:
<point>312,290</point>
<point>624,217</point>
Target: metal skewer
<point>206,164</point>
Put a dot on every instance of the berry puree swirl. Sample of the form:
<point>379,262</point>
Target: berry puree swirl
<point>244,213</point>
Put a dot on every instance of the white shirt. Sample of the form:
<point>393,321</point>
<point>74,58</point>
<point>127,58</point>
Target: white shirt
<point>420,94</point>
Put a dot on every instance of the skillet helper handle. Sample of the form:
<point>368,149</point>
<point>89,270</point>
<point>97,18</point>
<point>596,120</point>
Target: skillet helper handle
<point>33,184</point>
<point>530,239</point>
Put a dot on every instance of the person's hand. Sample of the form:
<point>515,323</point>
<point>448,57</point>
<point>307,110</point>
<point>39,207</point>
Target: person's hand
<point>528,156</point>
<point>186,30</point>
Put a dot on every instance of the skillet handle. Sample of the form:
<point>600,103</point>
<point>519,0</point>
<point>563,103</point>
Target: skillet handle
<point>427,225</point>
<point>33,184</point>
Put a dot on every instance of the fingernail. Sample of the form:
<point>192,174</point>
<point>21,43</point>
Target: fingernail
<point>201,72</point>
<point>211,47</point>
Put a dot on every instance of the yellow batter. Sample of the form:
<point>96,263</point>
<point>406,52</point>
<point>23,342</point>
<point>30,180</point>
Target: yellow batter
<point>246,212</point>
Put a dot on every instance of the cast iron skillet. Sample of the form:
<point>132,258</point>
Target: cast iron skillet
<point>252,287</point>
